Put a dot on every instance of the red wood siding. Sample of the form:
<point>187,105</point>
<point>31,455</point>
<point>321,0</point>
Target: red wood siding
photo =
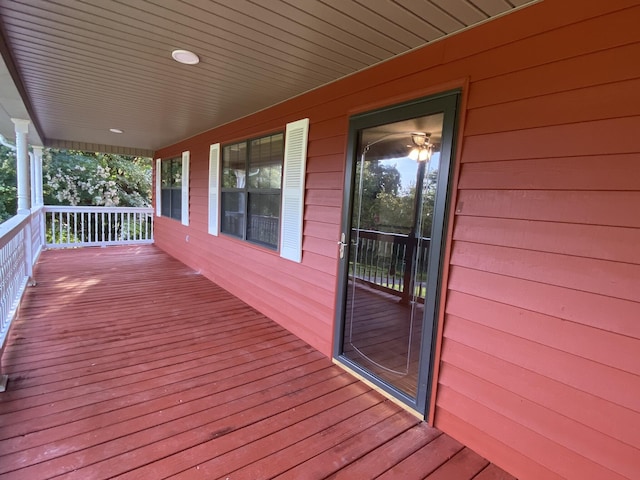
<point>539,368</point>
<point>541,337</point>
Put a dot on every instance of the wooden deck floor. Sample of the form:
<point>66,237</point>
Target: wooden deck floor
<point>126,364</point>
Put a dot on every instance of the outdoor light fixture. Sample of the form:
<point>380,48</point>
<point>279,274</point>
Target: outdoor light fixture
<point>115,130</point>
<point>185,56</point>
<point>422,148</point>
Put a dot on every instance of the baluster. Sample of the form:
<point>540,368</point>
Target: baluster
<point>372,266</point>
<point>82,231</point>
<point>60,228</point>
<point>365,275</point>
<point>395,248</point>
<point>75,226</point>
<point>89,226</point>
<point>374,259</point>
<point>53,226</point>
<point>67,226</point>
<point>372,249</point>
<point>384,275</point>
<point>404,267</point>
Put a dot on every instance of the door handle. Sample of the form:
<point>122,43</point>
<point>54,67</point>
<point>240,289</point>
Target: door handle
<point>342,245</point>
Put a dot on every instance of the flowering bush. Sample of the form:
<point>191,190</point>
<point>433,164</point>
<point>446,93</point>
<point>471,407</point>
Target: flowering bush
<point>80,178</point>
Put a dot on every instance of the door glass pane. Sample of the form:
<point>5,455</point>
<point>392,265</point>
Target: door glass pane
<point>394,189</point>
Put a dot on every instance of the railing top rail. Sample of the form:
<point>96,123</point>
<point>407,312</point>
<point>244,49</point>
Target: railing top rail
<point>377,232</point>
<point>69,208</point>
<point>373,234</point>
<point>11,227</point>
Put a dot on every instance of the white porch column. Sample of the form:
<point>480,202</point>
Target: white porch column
<point>22,167</point>
<point>37,180</point>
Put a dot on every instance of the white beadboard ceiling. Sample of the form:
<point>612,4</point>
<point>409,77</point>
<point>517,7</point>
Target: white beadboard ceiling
<point>77,68</point>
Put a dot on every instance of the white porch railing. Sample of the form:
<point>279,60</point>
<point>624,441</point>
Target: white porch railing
<point>97,226</point>
<point>20,246</point>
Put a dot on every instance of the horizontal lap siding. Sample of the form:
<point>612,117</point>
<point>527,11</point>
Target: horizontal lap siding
<point>539,370</point>
<point>541,335</point>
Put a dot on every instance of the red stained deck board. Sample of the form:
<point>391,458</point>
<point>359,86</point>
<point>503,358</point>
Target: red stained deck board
<point>341,454</point>
<point>92,393</point>
<point>465,465</point>
<point>334,427</point>
<point>314,372</point>
<point>149,356</point>
<point>388,454</point>
<point>493,473</point>
<point>425,460</point>
<point>185,376</point>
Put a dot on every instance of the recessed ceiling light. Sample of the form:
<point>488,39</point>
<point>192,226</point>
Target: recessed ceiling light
<point>185,56</point>
<point>115,130</point>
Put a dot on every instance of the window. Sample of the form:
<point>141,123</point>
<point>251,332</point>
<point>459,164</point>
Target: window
<point>290,165</point>
<point>251,189</point>
<point>171,188</point>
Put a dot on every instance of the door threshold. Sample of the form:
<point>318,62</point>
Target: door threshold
<point>375,387</point>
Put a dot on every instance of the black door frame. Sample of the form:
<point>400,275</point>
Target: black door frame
<point>446,103</point>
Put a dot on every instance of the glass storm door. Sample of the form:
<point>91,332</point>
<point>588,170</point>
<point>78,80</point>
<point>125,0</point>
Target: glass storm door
<point>391,243</point>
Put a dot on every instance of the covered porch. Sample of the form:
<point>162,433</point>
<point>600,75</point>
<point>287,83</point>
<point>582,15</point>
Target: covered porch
<point>123,362</point>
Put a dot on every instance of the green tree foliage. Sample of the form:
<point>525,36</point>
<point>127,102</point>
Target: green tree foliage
<point>380,189</point>
<point>386,206</point>
<point>81,178</point>
<point>8,192</point>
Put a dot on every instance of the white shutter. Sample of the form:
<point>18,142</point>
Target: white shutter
<point>295,162</point>
<point>185,188</point>
<point>158,187</point>
<point>214,187</point>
